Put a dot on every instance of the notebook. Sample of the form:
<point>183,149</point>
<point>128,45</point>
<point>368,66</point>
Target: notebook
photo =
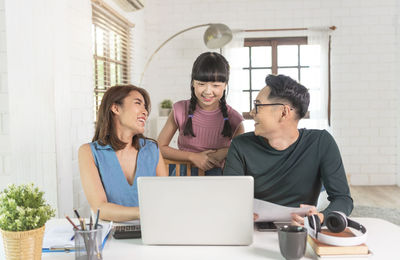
<point>202,210</point>
<point>60,238</point>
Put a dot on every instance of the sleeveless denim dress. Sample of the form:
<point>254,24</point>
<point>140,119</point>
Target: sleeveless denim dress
<point>117,188</point>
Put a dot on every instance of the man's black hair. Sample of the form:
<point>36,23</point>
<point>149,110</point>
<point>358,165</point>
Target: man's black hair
<point>284,88</point>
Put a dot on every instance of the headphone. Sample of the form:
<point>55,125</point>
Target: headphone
<point>336,222</point>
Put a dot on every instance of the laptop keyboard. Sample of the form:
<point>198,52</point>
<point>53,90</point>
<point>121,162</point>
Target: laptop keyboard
<point>125,232</point>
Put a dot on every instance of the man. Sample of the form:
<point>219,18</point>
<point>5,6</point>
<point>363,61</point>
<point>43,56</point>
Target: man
<point>289,165</point>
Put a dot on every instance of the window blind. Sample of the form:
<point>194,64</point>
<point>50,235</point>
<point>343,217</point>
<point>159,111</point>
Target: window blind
<point>111,49</point>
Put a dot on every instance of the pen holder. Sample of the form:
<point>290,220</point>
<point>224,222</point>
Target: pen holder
<point>88,244</point>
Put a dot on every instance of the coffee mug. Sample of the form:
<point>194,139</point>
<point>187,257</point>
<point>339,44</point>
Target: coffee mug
<point>292,241</point>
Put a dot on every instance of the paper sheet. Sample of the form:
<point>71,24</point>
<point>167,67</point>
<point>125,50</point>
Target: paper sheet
<point>60,236</point>
<point>268,211</point>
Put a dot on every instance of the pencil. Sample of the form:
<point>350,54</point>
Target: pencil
<point>81,220</point>
<point>84,235</point>
<point>77,214</point>
<point>97,219</point>
<point>72,223</point>
<point>90,222</point>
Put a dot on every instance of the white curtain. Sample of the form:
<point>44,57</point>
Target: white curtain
<point>236,56</point>
<point>318,40</point>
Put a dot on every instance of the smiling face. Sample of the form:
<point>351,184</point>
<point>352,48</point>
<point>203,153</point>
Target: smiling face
<point>208,94</point>
<point>132,114</point>
<point>267,118</point>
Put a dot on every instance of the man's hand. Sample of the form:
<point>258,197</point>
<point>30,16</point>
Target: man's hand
<point>299,221</point>
<point>255,216</point>
<point>203,161</point>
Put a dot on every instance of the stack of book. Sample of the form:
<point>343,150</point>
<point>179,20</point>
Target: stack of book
<point>327,251</point>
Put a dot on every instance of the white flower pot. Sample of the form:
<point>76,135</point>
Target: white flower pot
<point>165,111</point>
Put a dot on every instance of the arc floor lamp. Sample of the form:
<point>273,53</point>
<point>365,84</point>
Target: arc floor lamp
<point>216,36</point>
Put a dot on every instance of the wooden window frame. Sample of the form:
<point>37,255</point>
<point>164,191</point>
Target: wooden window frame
<point>273,43</point>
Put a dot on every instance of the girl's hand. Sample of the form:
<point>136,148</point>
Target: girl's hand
<point>202,160</point>
<point>219,156</point>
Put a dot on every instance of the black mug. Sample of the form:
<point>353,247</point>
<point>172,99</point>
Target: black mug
<point>292,241</point>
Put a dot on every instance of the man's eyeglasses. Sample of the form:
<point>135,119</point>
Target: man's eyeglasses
<point>256,105</point>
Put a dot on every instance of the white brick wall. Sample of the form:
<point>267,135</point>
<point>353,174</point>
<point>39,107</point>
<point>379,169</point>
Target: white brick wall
<point>74,96</point>
<point>364,109</point>
<point>365,93</point>
<point>4,119</point>
<point>80,88</point>
<point>395,104</point>
<point>51,104</point>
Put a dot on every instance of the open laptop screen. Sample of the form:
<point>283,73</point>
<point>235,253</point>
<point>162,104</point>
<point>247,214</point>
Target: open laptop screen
<point>215,210</point>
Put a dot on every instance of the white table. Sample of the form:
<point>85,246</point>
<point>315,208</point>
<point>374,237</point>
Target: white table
<point>383,238</point>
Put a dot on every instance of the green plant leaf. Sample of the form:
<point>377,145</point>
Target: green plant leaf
<point>23,208</point>
<point>166,103</point>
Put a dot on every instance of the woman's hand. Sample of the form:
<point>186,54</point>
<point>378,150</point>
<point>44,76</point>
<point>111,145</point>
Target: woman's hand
<point>203,161</point>
<point>299,221</point>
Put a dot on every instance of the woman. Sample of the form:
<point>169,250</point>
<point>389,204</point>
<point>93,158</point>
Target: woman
<point>206,124</point>
<point>118,154</point>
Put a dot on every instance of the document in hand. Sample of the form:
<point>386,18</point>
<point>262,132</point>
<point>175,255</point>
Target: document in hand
<point>60,238</point>
<point>268,211</point>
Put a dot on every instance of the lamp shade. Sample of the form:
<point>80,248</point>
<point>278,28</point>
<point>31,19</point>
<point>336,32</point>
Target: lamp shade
<point>217,35</point>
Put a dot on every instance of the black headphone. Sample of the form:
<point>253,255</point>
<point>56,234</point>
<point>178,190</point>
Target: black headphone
<point>336,222</point>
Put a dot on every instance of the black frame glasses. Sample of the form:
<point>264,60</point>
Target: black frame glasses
<point>256,104</point>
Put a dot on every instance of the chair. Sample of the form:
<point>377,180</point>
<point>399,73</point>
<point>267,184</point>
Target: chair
<point>178,167</point>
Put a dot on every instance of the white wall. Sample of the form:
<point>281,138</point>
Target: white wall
<point>5,174</point>
<point>30,139</point>
<point>74,99</point>
<point>365,96</point>
<point>397,21</point>
<point>49,92</point>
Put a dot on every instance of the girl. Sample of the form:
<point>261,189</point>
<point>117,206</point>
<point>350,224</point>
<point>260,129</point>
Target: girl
<point>206,123</point>
<point>118,154</point>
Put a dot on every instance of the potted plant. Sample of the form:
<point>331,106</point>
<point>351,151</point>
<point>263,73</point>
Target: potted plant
<point>23,214</point>
<point>166,106</point>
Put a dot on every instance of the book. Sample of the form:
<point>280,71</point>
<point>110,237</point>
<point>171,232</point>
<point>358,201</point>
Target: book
<point>322,249</point>
<point>61,238</point>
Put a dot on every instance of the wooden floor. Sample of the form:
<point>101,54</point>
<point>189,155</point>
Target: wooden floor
<point>376,196</point>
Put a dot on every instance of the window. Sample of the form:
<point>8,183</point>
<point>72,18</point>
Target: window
<point>277,56</point>
<point>111,50</point>
<point>292,56</point>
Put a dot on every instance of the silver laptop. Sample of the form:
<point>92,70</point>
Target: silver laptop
<point>214,210</point>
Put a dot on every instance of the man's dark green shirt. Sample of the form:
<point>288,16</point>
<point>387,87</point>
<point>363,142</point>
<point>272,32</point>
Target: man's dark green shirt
<point>295,175</point>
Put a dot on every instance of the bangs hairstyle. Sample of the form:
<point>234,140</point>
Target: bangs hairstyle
<point>105,132</point>
<point>211,67</point>
<point>284,87</point>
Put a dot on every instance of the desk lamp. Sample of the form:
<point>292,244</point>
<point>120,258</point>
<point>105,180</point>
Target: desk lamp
<point>216,36</point>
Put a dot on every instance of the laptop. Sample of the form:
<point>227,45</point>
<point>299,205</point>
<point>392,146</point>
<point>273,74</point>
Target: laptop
<point>202,210</point>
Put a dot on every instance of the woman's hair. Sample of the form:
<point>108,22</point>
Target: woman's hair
<point>105,128</point>
<point>209,67</point>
